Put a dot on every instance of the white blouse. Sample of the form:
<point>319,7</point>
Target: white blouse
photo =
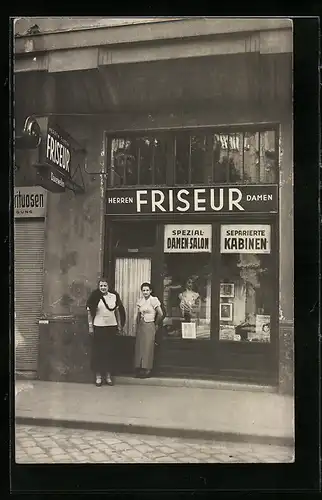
<point>147,308</point>
<point>104,317</point>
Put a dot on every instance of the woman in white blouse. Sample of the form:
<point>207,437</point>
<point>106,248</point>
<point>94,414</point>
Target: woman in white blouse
<point>104,321</point>
<point>148,318</point>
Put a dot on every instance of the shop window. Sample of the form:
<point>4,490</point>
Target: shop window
<point>245,157</point>
<point>134,236</point>
<point>246,283</point>
<point>212,156</point>
<point>138,161</point>
<point>187,281</point>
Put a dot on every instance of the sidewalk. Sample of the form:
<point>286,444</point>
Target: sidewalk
<point>227,414</point>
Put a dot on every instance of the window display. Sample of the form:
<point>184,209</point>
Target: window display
<point>245,284</point>
<point>187,282</point>
<point>201,157</point>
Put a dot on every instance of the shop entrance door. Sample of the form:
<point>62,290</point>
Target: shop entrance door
<point>130,273</point>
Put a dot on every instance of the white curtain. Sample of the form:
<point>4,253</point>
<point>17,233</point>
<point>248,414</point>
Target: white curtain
<point>130,273</point>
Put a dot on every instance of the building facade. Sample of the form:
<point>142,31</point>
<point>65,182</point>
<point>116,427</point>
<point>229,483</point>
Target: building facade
<point>187,183</point>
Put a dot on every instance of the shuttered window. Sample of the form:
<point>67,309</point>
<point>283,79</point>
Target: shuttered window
<point>28,273</point>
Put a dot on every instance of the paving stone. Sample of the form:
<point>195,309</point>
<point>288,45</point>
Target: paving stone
<point>166,449</point>
<point>144,448</point>
<point>34,450</point>
<point>120,446</point>
<point>110,441</point>
<point>178,455</point>
<point>133,453</point>
<point>154,454</point>
<point>136,442</point>
<point>99,457</point>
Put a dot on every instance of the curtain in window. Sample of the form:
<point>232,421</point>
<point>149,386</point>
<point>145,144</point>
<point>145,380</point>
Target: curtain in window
<point>130,273</point>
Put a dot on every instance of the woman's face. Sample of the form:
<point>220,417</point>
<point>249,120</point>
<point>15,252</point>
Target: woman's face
<point>103,287</point>
<point>146,292</point>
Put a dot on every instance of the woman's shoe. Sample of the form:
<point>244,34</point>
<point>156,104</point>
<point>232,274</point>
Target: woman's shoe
<point>98,381</point>
<point>109,380</point>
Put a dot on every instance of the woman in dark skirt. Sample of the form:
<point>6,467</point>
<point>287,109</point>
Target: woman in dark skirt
<point>106,317</point>
<point>148,317</point>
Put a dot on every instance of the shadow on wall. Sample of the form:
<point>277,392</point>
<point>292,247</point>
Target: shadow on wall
<point>74,300</point>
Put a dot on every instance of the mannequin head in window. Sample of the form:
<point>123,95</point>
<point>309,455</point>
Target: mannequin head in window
<point>189,284</point>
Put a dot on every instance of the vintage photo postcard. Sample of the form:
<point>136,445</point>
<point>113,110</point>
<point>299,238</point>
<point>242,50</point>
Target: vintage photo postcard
<point>153,240</point>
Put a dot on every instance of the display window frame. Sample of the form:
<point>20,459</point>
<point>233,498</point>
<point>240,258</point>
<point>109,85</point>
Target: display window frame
<point>212,355</point>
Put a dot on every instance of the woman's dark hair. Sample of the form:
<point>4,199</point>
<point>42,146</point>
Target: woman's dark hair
<point>146,284</point>
<point>102,280</point>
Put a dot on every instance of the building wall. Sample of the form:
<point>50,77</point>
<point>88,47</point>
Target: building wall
<point>52,24</point>
<point>73,254</point>
<point>286,264</point>
<point>73,246</point>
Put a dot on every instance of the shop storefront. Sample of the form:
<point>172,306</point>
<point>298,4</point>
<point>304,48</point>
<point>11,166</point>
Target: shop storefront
<point>187,183</point>
<point>195,212</point>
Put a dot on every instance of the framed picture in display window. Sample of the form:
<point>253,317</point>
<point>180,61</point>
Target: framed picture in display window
<point>226,311</point>
<point>227,290</point>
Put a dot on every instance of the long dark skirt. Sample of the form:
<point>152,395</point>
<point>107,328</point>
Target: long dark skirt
<point>144,345</point>
<point>103,349</point>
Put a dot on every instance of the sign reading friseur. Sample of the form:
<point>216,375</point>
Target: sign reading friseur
<point>55,156</point>
<point>203,200</point>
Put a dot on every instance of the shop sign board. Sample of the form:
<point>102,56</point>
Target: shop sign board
<point>245,238</point>
<point>50,178</point>
<point>56,149</point>
<point>55,156</point>
<point>187,238</point>
<point>193,200</point>
<point>29,201</point>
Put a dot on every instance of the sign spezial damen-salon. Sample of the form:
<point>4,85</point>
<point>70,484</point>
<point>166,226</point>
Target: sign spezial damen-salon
<point>203,200</point>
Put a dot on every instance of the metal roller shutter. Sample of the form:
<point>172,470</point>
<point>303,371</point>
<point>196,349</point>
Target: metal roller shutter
<point>28,272</point>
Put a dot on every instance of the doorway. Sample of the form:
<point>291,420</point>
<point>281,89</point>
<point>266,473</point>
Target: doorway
<point>130,273</point>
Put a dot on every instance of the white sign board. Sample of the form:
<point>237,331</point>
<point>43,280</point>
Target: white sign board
<point>263,327</point>
<point>187,238</point>
<point>30,201</point>
<point>189,330</point>
<point>245,238</point>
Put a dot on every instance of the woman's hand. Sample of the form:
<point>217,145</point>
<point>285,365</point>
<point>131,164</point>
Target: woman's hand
<point>90,329</point>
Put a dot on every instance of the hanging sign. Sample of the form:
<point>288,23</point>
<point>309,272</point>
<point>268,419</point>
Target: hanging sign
<point>187,238</point>
<point>56,149</point>
<point>50,178</point>
<point>187,200</point>
<point>30,201</point>
<point>245,238</point>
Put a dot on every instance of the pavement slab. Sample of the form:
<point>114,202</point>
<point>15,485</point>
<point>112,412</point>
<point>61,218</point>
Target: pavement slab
<point>174,411</point>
